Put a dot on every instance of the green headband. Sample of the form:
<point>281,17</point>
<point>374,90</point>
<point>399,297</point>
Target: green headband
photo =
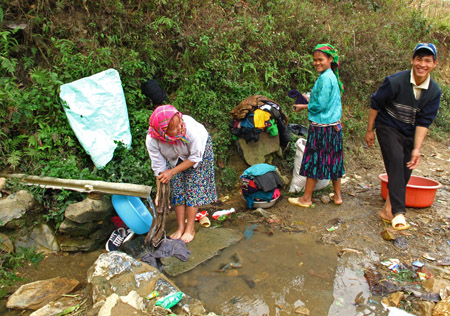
<point>330,50</point>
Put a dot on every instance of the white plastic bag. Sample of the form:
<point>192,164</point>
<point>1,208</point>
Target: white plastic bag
<point>97,112</point>
<point>298,182</point>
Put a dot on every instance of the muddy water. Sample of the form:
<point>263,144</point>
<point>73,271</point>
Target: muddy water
<point>278,275</point>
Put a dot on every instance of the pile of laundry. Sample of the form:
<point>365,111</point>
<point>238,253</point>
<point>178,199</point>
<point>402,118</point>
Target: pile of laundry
<point>261,183</point>
<point>257,114</point>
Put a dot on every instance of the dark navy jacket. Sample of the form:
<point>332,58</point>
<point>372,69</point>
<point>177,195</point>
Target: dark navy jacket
<point>397,106</point>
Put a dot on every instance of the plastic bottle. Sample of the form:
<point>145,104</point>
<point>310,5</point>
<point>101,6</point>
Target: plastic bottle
<point>169,300</point>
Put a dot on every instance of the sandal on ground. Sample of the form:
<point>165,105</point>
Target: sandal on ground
<point>295,201</point>
<point>399,222</point>
<point>331,195</point>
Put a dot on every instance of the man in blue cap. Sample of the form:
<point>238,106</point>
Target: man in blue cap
<point>401,112</point>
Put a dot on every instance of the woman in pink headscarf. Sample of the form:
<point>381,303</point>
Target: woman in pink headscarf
<point>182,154</point>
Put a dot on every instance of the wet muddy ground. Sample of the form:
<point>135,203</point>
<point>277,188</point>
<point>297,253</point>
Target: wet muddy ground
<point>308,257</point>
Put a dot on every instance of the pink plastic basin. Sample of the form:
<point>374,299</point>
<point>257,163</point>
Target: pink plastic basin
<point>420,191</point>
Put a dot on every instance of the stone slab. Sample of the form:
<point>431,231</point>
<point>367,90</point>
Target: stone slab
<point>208,242</point>
<point>260,151</point>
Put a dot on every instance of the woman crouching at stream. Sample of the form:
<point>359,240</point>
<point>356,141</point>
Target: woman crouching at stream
<point>181,152</point>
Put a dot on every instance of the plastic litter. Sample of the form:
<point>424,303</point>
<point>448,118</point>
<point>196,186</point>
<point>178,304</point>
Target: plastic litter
<point>418,264</point>
<point>170,300</point>
<point>332,228</point>
<point>428,257</point>
<point>216,215</point>
<point>152,295</point>
<point>202,217</point>
<point>422,276</point>
<point>394,268</point>
<point>249,231</point>
<point>97,112</point>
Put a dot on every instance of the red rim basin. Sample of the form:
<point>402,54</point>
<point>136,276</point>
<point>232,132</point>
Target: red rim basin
<point>420,191</point>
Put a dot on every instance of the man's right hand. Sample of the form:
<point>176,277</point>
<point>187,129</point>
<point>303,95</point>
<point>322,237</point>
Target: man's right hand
<point>370,138</point>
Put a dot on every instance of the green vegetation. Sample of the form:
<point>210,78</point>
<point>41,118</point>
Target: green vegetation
<point>10,262</point>
<point>208,56</point>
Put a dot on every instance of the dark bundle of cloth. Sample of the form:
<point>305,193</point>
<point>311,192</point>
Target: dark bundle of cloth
<point>249,120</point>
<point>152,90</point>
<point>298,96</point>
<point>260,182</point>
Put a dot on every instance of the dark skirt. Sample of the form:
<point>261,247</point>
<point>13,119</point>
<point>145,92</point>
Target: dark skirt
<point>324,154</point>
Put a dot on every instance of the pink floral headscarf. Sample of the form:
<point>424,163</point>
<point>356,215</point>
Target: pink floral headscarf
<point>159,122</point>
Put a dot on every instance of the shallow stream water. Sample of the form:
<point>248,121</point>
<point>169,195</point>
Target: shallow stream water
<point>278,275</point>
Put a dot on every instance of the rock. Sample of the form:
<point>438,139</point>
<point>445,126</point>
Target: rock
<point>6,244</point>
<point>424,308</point>
<point>94,241</point>
<point>2,183</point>
<point>134,300</point>
<point>117,272</point>
<point>111,301</point>
<point>76,245</point>
<point>72,228</point>
<point>302,310</point>
<point>132,304</point>
<point>435,285</point>
<point>442,308</point>
<point>45,239</point>
<point>394,299</point>
<point>56,307</point>
<point>90,210</point>
<point>325,199</point>
<point>206,244</point>
<point>37,294</point>
<point>41,237</point>
<point>284,179</point>
<point>260,151</point>
<point>16,206</point>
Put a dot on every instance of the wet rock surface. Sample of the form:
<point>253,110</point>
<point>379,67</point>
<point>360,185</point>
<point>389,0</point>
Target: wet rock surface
<point>207,244</point>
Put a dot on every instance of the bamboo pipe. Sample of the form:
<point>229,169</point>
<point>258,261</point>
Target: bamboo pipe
<point>85,186</point>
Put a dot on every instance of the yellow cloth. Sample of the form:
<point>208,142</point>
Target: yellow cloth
<point>260,118</point>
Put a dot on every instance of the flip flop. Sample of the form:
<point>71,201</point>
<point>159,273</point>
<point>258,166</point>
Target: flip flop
<point>399,222</point>
<point>331,195</point>
<point>295,201</point>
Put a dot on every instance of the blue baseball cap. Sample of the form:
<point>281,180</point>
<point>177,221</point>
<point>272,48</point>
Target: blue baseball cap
<point>428,46</point>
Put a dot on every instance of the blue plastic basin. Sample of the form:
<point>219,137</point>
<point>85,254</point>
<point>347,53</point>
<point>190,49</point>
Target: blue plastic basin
<point>133,213</point>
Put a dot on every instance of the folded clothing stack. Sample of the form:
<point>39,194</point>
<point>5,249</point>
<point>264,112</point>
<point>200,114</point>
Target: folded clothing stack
<point>260,182</point>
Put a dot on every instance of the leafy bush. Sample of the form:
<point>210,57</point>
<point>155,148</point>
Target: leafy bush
<point>207,55</point>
